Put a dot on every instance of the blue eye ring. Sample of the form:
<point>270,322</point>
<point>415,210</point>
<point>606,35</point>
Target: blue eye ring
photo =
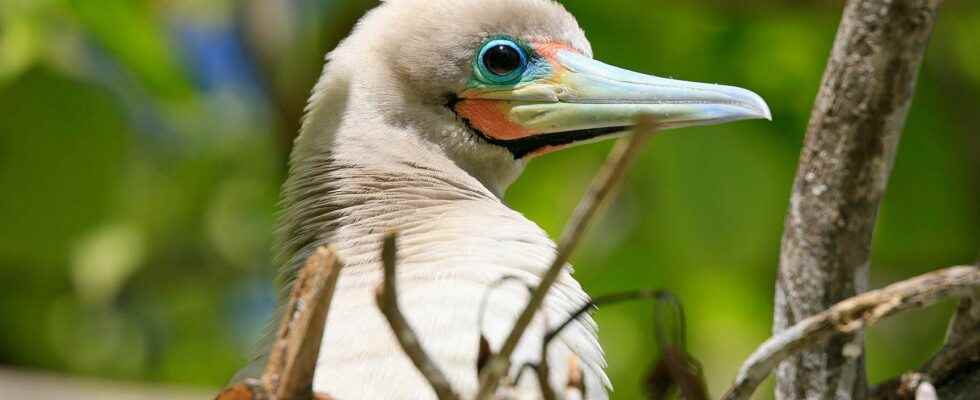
<point>502,61</point>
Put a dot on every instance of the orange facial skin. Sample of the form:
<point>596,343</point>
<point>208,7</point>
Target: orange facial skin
<point>491,116</point>
<point>549,50</point>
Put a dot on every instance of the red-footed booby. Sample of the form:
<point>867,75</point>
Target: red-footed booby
<point>422,118</point>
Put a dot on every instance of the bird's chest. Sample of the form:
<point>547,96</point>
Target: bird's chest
<point>442,301</point>
<point>448,265</point>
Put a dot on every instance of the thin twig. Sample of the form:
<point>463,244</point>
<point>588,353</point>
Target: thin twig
<point>620,298</point>
<point>850,316</point>
<point>481,313</point>
<point>663,297</point>
<point>544,372</point>
<point>387,298</point>
<point>676,367</point>
<point>605,182</point>
<point>519,376</point>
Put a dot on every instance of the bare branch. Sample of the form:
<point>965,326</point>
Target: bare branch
<point>850,316</point>
<point>387,298</point>
<point>847,159</point>
<point>604,184</point>
<point>675,369</point>
<point>482,312</point>
<point>616,298</point>
<point>292,359</point>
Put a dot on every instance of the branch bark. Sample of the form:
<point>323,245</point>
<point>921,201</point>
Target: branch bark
<point>292,360</point>
<point>852,316</point>
<point>847,159</point>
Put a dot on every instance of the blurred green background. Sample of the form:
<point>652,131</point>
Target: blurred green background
<point>142,145</point>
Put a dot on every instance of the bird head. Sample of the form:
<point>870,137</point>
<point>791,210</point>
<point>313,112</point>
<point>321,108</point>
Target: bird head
<point>492,84</point>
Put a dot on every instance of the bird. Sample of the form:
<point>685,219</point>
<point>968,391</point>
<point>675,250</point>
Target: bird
<point>422,118</point>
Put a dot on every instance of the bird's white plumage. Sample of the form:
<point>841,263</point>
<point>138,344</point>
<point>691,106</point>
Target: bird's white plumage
<point>379,150</point>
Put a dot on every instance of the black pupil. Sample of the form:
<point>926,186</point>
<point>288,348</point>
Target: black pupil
<point>502,59</point>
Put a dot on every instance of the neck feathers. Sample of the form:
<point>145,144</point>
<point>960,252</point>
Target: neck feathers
<point>456,239</point>
<point>349,203</point>
<point>356,175</point>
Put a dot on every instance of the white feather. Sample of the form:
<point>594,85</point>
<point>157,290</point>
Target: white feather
<point>380,151</point>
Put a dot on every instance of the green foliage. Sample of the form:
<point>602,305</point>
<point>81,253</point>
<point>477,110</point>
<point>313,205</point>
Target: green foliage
<point>134,34</point>
<point>138,204</point>
<point>61,153</point>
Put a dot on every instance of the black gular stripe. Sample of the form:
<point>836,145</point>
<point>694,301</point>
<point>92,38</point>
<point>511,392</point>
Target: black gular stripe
<point>522,147</point>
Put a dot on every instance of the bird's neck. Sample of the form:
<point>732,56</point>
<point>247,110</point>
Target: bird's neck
<point>352,194</point>
<point>457,239</point>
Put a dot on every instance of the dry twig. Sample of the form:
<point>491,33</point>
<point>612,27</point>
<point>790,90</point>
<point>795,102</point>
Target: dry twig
<point>387,297</point>
<point>675,369</point>
<point>604,184</point>
<point>292,359</point>
<point>850,316</point>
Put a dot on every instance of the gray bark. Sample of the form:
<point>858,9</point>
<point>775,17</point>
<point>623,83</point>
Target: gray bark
<point>862,311</point>
<point>843,173</point>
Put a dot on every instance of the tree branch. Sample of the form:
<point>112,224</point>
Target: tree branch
<point>387,298</point>
<point>604,184</point>
<point>954,370</point>
<point>847,159</point>
<point>292,360</point>
<point>852,315</point>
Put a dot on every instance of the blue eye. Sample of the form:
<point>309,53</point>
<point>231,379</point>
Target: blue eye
<point>502,61</point>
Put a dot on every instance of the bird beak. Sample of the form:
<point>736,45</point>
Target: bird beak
<point>575,99</point>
